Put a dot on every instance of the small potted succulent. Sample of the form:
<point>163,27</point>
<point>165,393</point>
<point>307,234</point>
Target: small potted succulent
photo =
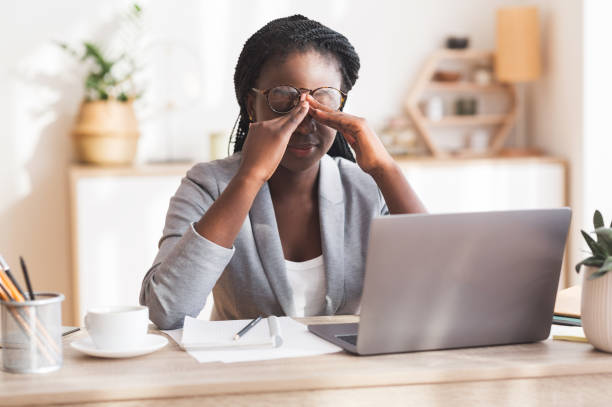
<point>596,303</point>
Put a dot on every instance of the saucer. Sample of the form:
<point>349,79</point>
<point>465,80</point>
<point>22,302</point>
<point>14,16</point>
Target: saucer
<point>150,344</point>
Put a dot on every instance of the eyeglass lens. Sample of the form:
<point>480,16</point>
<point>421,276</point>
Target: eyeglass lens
<point>284,98</point>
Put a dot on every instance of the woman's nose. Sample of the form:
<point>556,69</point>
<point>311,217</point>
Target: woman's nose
<point>306,126</point>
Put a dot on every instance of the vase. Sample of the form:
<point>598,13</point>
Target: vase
<point>596,309</point>
<point>106,132</point>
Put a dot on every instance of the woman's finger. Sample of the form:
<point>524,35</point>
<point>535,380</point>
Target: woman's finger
<point>318,105</point>
<point>336,120</point>
<point>290,122</point>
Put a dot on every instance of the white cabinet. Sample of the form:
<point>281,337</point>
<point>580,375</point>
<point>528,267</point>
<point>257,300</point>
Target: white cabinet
<point>118,213</point>
<point>117,219</point>
<point>487,184</point>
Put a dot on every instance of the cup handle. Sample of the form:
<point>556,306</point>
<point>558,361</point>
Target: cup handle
<point>87,322</point>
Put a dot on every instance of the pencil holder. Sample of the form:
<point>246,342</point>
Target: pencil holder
<point>32,334</point>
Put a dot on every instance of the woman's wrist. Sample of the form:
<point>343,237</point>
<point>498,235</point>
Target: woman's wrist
<point>384,169</point>
<point>249,179</point>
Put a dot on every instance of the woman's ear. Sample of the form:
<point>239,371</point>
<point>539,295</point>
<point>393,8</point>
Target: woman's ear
<point>250,105</point>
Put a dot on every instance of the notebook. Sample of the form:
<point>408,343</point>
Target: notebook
<point>296,340</point>
<point>204,335</point>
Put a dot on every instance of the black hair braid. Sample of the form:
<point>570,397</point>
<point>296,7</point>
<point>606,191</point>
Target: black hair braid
<point>278,38</point>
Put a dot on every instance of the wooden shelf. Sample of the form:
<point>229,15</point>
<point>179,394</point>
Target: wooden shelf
<point>464,87</point>
<point>475,120</point>
<point>424,83</point>
<point>469,54</point>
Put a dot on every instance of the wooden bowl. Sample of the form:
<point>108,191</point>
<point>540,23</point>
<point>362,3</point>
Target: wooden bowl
<point>446,76</point>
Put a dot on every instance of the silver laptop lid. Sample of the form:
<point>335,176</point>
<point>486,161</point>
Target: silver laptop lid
<point>458,280</point>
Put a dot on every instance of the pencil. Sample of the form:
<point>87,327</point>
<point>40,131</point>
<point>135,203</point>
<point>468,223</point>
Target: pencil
<point>5,295</point>
<point>15,283</point>
<point>26,277</point>
<point>15,295</point>
<point>247,328</point>
<point>25,327</point>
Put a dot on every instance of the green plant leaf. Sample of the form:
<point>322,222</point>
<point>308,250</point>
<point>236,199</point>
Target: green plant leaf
<point>103,81</point>
<point>596,274</point>
<point>592,262</point>
<point>607,266</point>
<point>604,238</point>
<point>597,250</point>
<point>93,51</point>
<point>598,220</point>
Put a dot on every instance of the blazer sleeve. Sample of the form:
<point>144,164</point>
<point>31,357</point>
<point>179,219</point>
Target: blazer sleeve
<point>187,265</point>
<point>382,204</point>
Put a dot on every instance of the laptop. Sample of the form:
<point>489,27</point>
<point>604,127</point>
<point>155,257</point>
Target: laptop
<point>456,280</point>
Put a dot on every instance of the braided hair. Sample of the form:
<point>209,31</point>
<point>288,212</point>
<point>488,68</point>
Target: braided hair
<point>279,38</point>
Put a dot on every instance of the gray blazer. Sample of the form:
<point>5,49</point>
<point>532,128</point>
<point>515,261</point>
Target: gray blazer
<point>250,278</point>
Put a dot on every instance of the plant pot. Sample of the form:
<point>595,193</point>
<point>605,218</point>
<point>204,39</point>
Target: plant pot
<point>596,309</point>
<point>106,133</point>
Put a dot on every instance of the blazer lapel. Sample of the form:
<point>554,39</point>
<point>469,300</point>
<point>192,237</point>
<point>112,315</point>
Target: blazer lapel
<point>331,218</point>
<point>267,241</point>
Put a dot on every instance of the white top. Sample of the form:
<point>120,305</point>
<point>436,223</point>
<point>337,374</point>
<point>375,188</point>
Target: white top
<point>307,281</point>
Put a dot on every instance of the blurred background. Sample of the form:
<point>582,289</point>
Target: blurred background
<point>487,105</point>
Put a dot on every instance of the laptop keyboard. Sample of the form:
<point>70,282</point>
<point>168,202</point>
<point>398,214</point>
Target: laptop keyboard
<point>352,339</point>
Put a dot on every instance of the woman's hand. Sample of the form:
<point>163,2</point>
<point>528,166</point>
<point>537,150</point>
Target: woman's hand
<point>370,153</point>
<point>372,157</point>
<point>266,143</point>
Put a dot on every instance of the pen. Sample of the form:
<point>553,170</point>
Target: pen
<point>26,277</point>
<point>247,328</point>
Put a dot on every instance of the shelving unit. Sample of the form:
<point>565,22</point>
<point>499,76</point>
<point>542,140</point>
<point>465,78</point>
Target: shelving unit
<point>476,120</point>
<point>503,121</point>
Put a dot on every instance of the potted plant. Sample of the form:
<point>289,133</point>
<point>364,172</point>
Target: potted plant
<point>596,302</point>
<point>106,129</point>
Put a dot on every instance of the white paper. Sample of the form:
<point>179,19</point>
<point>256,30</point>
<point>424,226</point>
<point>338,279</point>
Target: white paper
<point>221,333</point>
<point>297,340</point>
<point>564,330</point>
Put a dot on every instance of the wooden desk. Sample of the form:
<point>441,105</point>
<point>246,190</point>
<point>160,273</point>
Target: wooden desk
<point>547,373</point>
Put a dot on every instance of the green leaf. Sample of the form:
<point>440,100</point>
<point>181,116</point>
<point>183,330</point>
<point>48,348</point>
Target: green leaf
<point>604,238</point>
<point>595,248</point>
<point>596,274</point>
<point>598,220</point>
<point>591,261</point>
<point>92,51</point>
<point>607,266</point>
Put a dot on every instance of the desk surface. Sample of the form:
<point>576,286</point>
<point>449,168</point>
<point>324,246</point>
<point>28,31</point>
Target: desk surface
<point>545,373</point>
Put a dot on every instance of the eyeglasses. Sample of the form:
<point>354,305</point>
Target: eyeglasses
<point>282,99</point>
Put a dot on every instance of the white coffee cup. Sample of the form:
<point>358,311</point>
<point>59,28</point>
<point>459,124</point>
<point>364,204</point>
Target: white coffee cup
<point>117,328</point>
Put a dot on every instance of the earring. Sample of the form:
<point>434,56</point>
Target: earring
<point>250,118</point>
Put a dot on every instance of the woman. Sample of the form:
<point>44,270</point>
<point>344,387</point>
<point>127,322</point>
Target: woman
<point>281,226</point>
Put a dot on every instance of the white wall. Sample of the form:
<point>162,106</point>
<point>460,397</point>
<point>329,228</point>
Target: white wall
<point>597,146</point>
<point>393,39</point>
<point>555,103</point>
<point>193,46</point>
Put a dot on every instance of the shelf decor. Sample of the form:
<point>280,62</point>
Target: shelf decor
<point>106,129</point>
<point>502,122</point>
<point>517,56</point>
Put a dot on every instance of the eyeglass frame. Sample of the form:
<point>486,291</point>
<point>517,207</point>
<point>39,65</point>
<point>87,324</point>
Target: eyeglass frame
<point>266,92</point>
